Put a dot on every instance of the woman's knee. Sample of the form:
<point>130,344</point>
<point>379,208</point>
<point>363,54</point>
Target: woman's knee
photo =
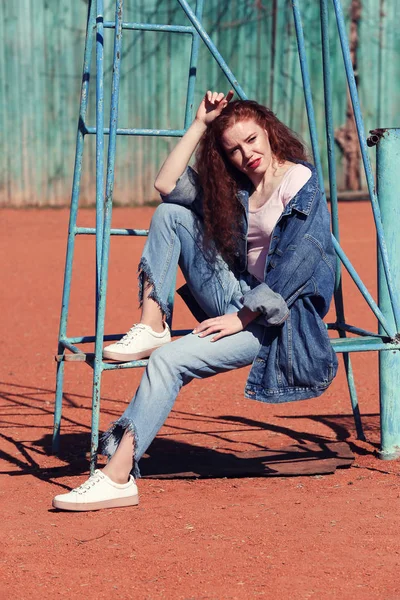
<point>168,214</point>
<point>162,362</point>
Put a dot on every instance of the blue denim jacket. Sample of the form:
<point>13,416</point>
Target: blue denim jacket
<point>296,359</point>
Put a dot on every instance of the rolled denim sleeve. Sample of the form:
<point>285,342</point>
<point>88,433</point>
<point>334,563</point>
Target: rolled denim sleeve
<point>271,305</point>
<point>187,192</point>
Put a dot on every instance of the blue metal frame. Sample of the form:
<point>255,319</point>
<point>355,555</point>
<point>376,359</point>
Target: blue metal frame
<point>394,297</point>
<point>386,339</point>
<point>387,169</point>
<point>330,140</point>
<point>90,28</point>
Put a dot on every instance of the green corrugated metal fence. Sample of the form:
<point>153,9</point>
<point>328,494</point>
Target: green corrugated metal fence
<point>41,60</point>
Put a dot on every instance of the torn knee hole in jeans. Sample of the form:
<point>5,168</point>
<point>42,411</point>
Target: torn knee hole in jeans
<point>111,438</point>
<point>145,281</point>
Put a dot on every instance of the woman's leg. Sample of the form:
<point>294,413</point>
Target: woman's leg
<point>175,237</point>
<point>169,368</point>
<point>121,463</point>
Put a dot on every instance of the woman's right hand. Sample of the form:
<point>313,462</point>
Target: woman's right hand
<point>212,105</point>
<point>175,164</point>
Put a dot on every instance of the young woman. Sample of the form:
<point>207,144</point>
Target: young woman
<point>251,232</point>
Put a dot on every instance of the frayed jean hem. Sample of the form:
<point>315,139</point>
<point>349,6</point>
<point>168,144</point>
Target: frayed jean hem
<point>111,438</point>
<point>145,278</point>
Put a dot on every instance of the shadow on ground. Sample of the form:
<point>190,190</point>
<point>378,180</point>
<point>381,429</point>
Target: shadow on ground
<point>307,454</point>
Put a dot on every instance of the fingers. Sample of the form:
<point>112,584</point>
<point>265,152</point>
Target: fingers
<point>207,327</point>
<point>222,326</point>
<point>216,98</point>
<point>202,327</point>
<point>219,335</point>
<point>214,329</point>
<point>229,96</point>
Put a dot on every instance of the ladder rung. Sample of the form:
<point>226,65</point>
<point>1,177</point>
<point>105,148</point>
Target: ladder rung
<point>110,366</point>
<point>338,326</point>
<point>152,27</point>
<point>92,231</point>
<point>79,357</point>
<point>362,344</point>
<point>339,345</point>
<point>87,339</point>
<point>144,132</point>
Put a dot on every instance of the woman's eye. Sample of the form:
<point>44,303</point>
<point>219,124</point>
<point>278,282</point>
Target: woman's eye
<point>252,138</point>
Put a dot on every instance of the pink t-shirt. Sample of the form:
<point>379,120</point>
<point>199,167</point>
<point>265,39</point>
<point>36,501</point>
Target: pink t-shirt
<point>263,220</point>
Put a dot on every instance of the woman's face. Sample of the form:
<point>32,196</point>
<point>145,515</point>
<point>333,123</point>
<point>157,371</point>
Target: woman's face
<point>246,145</point>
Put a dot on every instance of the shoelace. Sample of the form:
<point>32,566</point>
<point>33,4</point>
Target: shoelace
<point>132,333</point>
<point>85,487</point>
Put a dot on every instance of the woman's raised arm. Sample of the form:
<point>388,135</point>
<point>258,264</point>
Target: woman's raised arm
<point>175,164</point>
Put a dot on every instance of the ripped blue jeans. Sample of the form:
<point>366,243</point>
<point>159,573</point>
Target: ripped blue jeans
<point>175,238</point>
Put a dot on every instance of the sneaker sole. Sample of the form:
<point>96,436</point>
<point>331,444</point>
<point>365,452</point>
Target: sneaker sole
<point>128,357</point>
<point>85,506</point>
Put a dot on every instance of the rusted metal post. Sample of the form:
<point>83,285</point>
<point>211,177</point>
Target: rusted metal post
<point>388,169</point>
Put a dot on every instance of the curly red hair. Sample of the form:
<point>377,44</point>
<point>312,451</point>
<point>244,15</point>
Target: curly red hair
<point>221,181</point>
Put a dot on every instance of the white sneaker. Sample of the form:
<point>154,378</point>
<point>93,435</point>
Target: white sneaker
<point>98,492</point>
<point>139,342</point>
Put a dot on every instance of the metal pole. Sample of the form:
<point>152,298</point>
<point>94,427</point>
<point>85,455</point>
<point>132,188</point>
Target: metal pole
<point>367,165</point>
<point>99,145</point>
<point>194,55</point>
<point>80,138</point>
<point>307,91</point>
<point>330,140</point>
<point>105,253</point>
<point>217,56</point>
<point>388,169</point>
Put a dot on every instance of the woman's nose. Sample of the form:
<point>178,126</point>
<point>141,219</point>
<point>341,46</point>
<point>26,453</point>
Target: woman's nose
<point>246,153</point>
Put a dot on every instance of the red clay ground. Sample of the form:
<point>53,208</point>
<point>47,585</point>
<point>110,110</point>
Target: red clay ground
<point>327,537</point>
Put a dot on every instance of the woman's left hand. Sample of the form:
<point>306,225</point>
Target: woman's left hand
<point>225,325</point>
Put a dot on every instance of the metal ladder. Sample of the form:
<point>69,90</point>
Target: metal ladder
<point>68,349</point>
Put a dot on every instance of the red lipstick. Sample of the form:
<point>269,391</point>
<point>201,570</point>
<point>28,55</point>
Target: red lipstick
<point>254,163</point>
